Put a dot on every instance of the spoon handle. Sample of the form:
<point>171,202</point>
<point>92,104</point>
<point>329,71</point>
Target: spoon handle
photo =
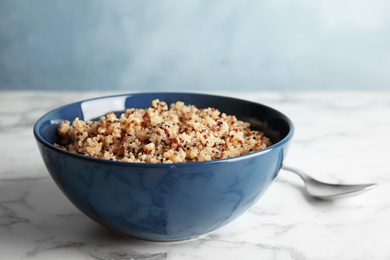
<point>325,190</point>
<point>300,173</point>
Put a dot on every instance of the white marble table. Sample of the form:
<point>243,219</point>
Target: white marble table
<point>340,137</point>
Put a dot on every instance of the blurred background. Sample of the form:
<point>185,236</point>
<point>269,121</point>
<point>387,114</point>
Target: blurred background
<point>138,45</point>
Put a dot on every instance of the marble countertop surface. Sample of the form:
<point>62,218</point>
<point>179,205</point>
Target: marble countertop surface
<point>341,137</point>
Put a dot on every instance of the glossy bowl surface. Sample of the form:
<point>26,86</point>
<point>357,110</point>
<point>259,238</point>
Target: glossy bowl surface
<point>164,202</point>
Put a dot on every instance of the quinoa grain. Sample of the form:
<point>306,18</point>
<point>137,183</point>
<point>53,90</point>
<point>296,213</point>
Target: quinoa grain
<point>158,134</point>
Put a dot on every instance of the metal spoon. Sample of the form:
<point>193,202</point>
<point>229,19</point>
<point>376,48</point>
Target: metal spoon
<point>328,191</point>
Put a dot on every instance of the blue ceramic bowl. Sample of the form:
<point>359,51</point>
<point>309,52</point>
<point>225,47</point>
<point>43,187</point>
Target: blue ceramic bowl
<point>164,202</point>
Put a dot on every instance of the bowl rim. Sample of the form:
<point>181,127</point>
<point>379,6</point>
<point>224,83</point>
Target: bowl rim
<point>50,146</point>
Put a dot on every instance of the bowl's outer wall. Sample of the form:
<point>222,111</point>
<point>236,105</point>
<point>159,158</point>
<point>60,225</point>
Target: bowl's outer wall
<point>163,202</point>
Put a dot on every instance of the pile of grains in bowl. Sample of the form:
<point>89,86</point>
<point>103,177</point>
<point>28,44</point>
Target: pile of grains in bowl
<point>162,134</point>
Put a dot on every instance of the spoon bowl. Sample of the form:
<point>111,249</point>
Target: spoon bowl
<point>328,191</point>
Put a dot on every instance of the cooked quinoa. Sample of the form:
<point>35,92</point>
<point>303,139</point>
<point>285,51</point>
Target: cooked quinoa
<point>180,133</point>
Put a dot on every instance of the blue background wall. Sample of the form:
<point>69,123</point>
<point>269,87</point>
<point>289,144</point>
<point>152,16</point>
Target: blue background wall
<point>194,45</point>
